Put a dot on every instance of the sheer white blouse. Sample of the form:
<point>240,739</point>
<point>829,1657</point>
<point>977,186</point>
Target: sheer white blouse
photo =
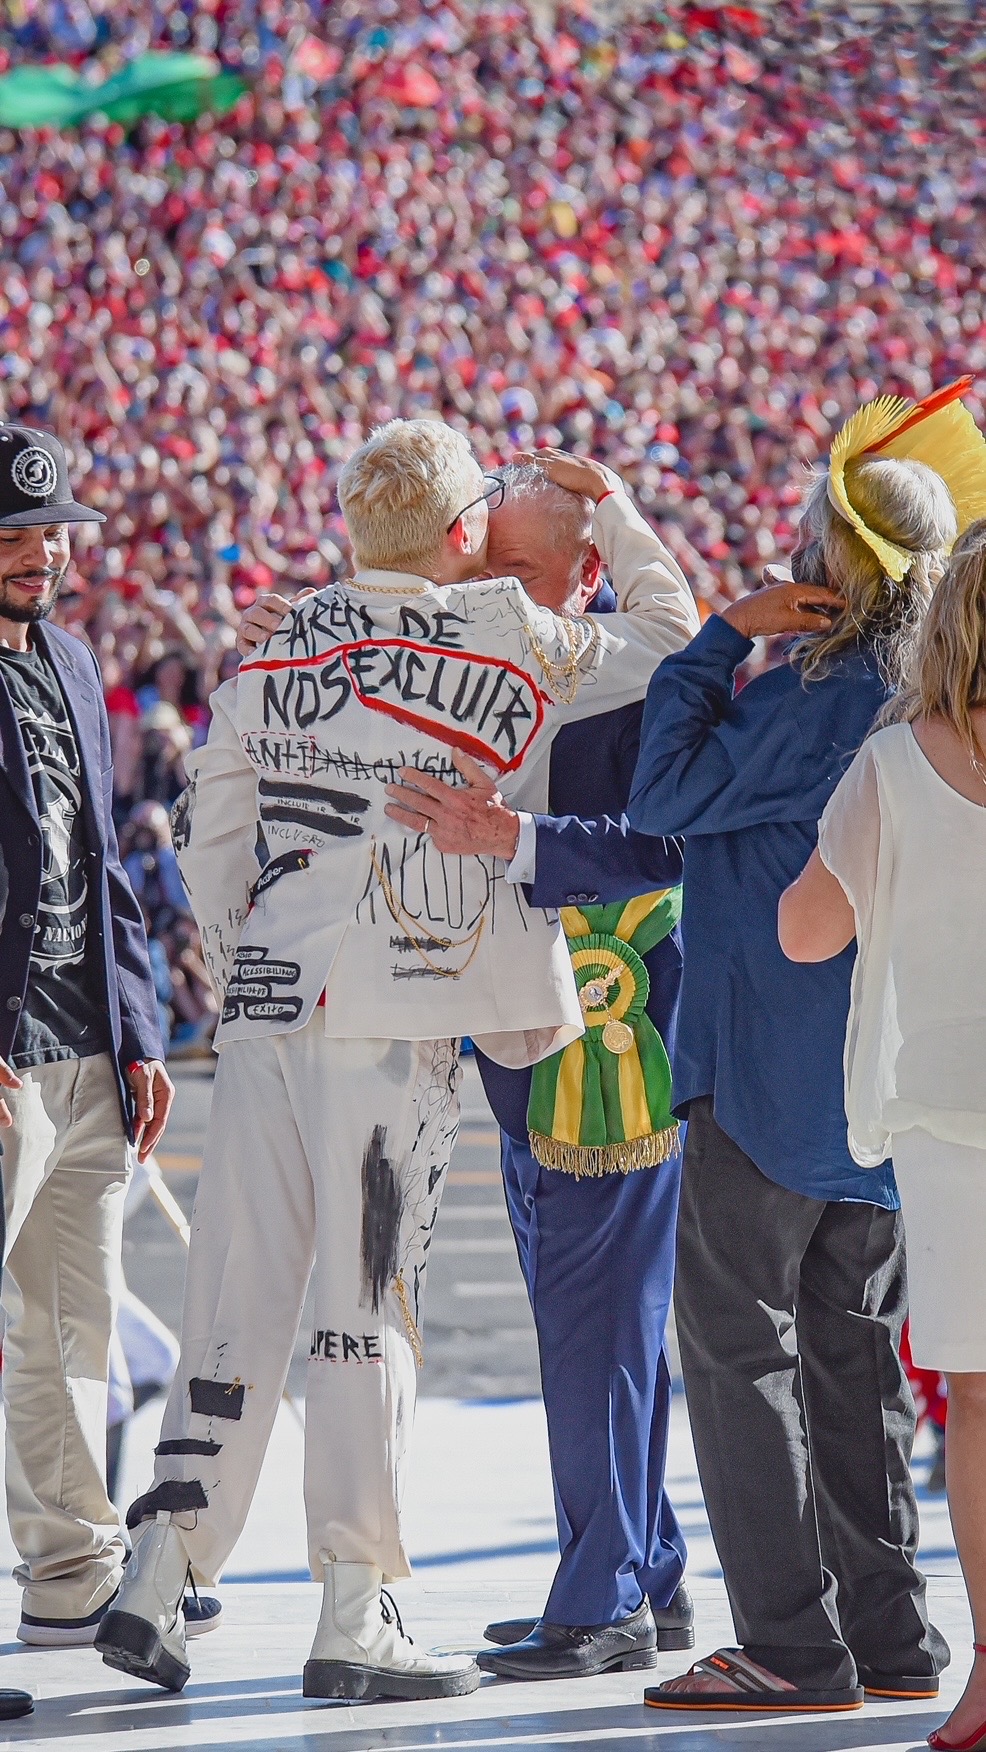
<point>910,853</point>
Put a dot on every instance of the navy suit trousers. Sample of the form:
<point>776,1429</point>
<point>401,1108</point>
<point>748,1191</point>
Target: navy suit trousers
<point>598,1260</point>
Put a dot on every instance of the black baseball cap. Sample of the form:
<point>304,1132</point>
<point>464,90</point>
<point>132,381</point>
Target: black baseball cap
<point>34,481</point>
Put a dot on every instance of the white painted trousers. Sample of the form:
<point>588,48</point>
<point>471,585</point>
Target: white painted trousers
<point>319,1152</point>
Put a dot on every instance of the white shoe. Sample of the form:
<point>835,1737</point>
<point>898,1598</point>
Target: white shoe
<point>143,1633</point>
<point>361,1649</point>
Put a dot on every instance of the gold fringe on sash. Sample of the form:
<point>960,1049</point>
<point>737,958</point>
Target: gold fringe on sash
<point>592,1161</point>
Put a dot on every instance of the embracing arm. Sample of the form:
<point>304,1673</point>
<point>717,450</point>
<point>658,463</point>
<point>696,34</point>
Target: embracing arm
<point>554,857</point>
<point>214,824</point>
<point>601,861</point>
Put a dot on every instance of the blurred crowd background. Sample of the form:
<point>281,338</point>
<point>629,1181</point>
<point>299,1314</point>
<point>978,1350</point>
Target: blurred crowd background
<point>686,239</point>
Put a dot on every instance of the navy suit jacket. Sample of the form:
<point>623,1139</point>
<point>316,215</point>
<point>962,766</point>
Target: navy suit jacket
<point>131,1013</point>
<point>587,853</point>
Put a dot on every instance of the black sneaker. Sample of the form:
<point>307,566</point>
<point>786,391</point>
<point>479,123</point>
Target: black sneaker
<point>202,1613</point>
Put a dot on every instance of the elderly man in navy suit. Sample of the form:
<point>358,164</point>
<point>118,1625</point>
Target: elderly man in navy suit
<point>596,1248</point>
<point>81,1074</point>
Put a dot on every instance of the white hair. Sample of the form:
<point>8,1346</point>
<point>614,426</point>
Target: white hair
<point>570,513</point>
<point>402,489</point>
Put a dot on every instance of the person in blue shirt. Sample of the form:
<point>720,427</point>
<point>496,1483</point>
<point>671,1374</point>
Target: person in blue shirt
<point>790,1290</point>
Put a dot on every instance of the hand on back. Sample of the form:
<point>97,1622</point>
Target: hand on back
<point>261,620</point>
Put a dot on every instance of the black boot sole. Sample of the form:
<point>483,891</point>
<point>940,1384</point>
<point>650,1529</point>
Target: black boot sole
<point>669,1642</point>
<point>511,1667</point>
<point>347,1679</point>
<point>133,1646</point>
<point>897,1685</point>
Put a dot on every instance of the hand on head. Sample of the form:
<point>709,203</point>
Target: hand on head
<point>578,474</point>
<point>784,607</point>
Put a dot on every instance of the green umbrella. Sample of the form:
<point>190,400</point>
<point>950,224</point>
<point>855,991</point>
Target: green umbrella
<point>40,97</point>
<point>177,87</point>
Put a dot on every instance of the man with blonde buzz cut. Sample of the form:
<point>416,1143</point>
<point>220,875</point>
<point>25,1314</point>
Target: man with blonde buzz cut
<point>349,955</point>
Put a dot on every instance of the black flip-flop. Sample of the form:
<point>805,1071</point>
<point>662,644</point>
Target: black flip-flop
<point>15,1703</point>
<point>756,1689</point>
<point>897,1686</point>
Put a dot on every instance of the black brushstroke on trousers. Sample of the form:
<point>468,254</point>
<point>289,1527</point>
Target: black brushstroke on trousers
<point>381,1223</point>
<point>188,1445</point>
<point>216,1398</point>
<point>176,1496</point>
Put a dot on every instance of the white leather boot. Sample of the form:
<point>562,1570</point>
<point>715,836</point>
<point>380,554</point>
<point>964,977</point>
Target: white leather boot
<point>143,1633</point>
<point>361,1649</point>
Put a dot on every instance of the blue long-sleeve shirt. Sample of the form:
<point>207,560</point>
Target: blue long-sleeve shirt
<point>745,777</point>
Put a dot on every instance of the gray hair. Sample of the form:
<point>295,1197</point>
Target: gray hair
<point>905,501</point>
<point>570,513</point>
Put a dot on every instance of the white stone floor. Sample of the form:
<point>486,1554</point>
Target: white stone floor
<point>481,1530</point>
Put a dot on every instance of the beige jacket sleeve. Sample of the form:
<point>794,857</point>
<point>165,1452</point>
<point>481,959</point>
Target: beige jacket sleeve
<point>617,653</point>
<point>214,825</point>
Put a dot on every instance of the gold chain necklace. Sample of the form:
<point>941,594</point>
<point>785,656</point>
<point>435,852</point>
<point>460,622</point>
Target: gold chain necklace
<point>402,918</point>
<point>387,589</point>
<point>413,1335</point>
<point>563,678</point>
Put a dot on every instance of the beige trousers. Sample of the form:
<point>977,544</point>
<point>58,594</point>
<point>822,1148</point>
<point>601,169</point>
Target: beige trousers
<point>65,1170</point>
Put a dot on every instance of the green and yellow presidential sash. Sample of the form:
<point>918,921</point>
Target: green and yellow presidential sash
<point>603,1104</point>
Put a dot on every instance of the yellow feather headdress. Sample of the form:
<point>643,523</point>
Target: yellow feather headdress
<point>938,431</point>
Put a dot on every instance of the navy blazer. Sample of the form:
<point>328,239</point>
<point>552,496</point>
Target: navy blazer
<point>587,853</point>
<point>128,995</point>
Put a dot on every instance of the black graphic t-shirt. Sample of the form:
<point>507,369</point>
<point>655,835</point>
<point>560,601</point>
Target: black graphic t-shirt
<point>62,1016</point>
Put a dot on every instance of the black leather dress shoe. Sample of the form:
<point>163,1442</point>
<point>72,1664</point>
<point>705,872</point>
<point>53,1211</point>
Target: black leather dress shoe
<point>675,1622</point>
<point>14,1704</point>
<point>565,1651</point>
<point>675,1625</point>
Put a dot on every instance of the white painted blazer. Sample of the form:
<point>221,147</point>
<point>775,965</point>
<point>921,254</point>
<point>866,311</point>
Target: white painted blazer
<point>299,881</point>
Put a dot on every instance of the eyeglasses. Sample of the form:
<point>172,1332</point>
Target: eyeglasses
<point>493,497</point>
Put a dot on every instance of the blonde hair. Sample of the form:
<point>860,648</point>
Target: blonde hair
<point>402,489</point>
<point>945,676</point>
<point>908,503</point>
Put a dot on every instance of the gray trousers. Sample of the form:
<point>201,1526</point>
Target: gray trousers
<point>789,1313</point>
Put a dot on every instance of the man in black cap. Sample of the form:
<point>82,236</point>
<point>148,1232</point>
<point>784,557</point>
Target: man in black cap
<point>81,1073</point>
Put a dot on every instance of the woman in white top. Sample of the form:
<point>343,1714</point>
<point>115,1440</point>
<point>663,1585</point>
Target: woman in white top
<point>901,865</point>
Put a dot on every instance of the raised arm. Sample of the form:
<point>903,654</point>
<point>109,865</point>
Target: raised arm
<point>656,615</point>
<point>712,761</point>
<point>214,825</point>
